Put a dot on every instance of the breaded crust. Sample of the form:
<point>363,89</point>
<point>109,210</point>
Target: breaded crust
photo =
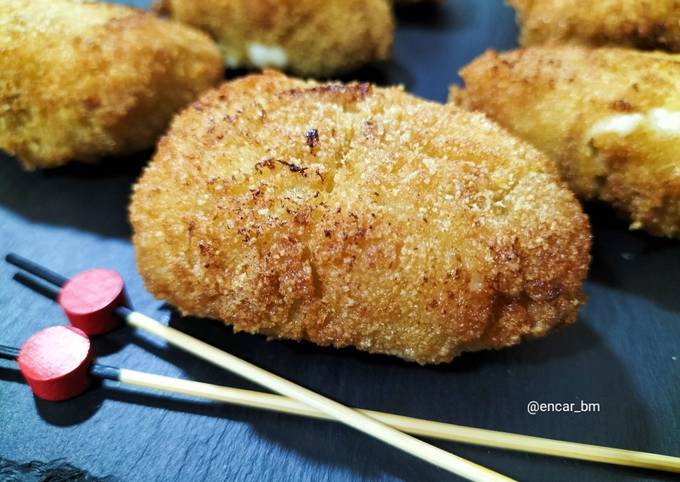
<point>609,117</point>
<point>317,38</point>
<point>82,80</point>
<point>351,215</point>
<point>644,24</point>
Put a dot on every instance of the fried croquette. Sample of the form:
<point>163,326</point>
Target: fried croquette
<point>317,38</point>
<point>351,215</point>
<point>644,24</point>
<point>79,81</point>
<point>609,117</point>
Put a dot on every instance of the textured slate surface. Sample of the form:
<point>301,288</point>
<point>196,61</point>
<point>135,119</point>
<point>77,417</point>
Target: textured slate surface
<point>622,353</point>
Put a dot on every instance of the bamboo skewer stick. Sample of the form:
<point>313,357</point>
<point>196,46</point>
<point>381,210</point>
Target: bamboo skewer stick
<point>348,416</point>
<point>331,408</point>
<point>414,426</point>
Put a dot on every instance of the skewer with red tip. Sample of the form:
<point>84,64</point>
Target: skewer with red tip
<point>89,299</point>
<point>415,426</point>
<point>69,381</point>
<point>92,307</point>
<point>55,362</point>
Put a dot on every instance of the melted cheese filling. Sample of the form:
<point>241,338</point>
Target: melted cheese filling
<point>665,121</point>
<point>267,55</point>
<point>660,120</point>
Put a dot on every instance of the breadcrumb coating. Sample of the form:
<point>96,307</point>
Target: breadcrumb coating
<point>609,117</point>
<point>352,215</point>
<point>316,38</point>
<point>80,80</point>
<point>644,24</point>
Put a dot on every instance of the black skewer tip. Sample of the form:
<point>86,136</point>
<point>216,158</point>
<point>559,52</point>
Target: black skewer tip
<point>105,372</point>
<point>8,352</point>
<point>92,320</point>
<point>40,287</point>
<point>36,269</point>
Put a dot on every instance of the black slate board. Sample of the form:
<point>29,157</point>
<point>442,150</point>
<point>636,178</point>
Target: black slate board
<point>623,353</point>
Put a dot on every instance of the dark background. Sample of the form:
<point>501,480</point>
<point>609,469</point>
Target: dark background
<point>621,354</point>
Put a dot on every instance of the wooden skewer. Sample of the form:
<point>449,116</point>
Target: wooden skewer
<point>414,426</point>
<point>337,411</point>
<point>331,408</point>
<point>439,430</point>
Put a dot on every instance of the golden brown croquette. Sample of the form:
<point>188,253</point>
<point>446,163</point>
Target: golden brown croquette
<point>646,24</point>
<point>610,118</point>
<point>82,80</point>
<point>317,38</point>
<point>352,215</point>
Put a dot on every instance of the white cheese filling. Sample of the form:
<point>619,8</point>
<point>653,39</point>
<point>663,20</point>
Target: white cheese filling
<point>267,55</point>
<point>660,120</point>
<point>621,124</point>
<point>665,121</point>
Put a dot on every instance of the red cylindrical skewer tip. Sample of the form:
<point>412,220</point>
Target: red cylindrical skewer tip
<point>89,298</point>
<point>55,362</point>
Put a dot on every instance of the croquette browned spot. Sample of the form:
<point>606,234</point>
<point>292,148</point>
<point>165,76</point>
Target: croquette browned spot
<point>81,80</point>
<point>317,38</point>
<point>411,228</point>
<point>609,117</point>
<point>645,24</point>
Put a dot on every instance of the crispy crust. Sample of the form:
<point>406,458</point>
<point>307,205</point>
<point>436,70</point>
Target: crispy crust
<point>351,215</point>
<point>553,97</point>
<point>319,38</point>
<point>79,81</point>
<point>645,24</point>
